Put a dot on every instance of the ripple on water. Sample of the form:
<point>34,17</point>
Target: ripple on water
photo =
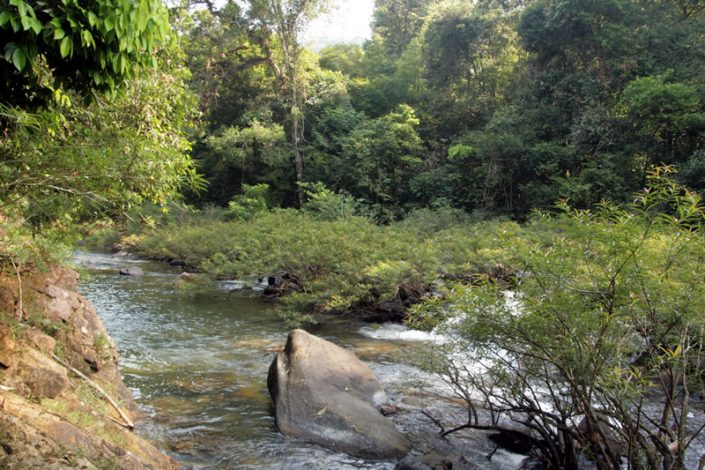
<point>197,365</point>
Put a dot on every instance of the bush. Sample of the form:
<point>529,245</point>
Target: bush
<point>342,264</point>
<point>250,203</point>
<point>327,205</point>
<point>101,236</point>
<point>610,311</point>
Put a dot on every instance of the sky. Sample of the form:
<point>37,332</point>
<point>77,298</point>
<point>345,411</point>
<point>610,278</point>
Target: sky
<point>347,21</point>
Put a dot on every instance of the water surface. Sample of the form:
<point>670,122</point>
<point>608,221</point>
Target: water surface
<point>196,360</point>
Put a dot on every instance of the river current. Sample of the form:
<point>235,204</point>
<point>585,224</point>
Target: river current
<point>196,359</point>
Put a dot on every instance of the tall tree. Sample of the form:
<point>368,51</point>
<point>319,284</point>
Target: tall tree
<point>397,22</point>
<point>229,69</point>
<point>284,20</point>
<point>470,55</point>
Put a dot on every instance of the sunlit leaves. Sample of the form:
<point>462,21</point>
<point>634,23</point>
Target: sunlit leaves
<point>65,46</point>
<point>94,47</point>
<point>76,161</point>
<point>611,299</point>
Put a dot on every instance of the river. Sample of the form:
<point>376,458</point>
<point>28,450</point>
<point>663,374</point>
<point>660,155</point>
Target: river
<point>196,360</point>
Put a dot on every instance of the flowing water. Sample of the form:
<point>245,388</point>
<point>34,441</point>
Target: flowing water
<point>196,360</point>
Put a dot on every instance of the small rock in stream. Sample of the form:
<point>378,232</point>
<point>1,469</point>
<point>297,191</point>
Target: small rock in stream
<point>425,462</point>
<point>132,271</point>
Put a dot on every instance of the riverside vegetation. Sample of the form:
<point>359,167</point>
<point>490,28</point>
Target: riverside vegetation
<point>610,306</point>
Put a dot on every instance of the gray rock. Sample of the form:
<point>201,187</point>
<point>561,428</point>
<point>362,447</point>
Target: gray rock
<point>325,395</point>
<point>432,461</point>
<point>411,463</point>
<point>132,271</point>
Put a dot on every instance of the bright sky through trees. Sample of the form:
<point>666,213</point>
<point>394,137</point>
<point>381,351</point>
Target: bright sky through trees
<point>346,21</point>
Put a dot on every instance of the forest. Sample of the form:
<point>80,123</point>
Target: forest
<point>555,148</point>
<point>494,107</point>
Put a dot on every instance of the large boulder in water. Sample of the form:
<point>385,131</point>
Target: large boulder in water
<point>325,395</point>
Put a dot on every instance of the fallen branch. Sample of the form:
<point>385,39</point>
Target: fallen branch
<point>20,307</point>
<point>435,421</point>
<point>127,421</point>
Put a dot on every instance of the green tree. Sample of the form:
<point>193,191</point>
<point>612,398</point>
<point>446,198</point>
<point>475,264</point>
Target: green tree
<point>397,22</point>
<point>69,162</point>
<point>237,157</point>
<point>345,58</point>
<point>228,65</point>
<point>283,20</point>
<point>382,155</point>
<point>666,120</point>
<point>470,56</point>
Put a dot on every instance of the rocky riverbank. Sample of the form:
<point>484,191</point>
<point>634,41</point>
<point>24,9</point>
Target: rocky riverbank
<point>58,376</point>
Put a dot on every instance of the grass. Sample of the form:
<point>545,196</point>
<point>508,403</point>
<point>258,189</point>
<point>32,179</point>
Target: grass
<point>84,408</point>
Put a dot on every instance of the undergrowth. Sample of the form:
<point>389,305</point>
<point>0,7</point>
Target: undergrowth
<point>344,264</point>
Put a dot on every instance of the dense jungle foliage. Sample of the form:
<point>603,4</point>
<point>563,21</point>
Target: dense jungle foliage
<point>492,106</point>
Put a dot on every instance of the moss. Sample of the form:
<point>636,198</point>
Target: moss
<point>16,328</point>
<point>38,319</point>
<point>102,344</point>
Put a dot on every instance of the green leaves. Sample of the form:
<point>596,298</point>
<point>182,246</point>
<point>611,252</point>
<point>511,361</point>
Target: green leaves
<point>16,55</point>
<point>107,44</point>
<point>109,23</point>
<point>4,18</point>
<point>612,299</point>
<point>19,59</point>
<point>87,159</point>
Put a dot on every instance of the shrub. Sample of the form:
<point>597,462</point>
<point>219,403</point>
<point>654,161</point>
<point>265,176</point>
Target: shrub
<point>610,311</point>
<point>247,205</point>
<point>341,264</point>
<point>328,205</point>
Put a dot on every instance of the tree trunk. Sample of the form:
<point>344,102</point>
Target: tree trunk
<point>296,131</point>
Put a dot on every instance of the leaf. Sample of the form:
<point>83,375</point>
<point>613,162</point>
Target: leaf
<point>16,24</point>
<point>109,23</point>
<point>5,18</point>
<point>59,34</point>
<point>36,25</point>
<point>322,411</point>
<point>19,59</point>
<point>9,50</point>
<point>65,47</point>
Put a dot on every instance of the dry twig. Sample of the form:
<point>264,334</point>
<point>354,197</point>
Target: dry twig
<point>127,421</point>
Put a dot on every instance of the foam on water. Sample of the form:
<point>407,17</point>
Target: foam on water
<point>397,332</point>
